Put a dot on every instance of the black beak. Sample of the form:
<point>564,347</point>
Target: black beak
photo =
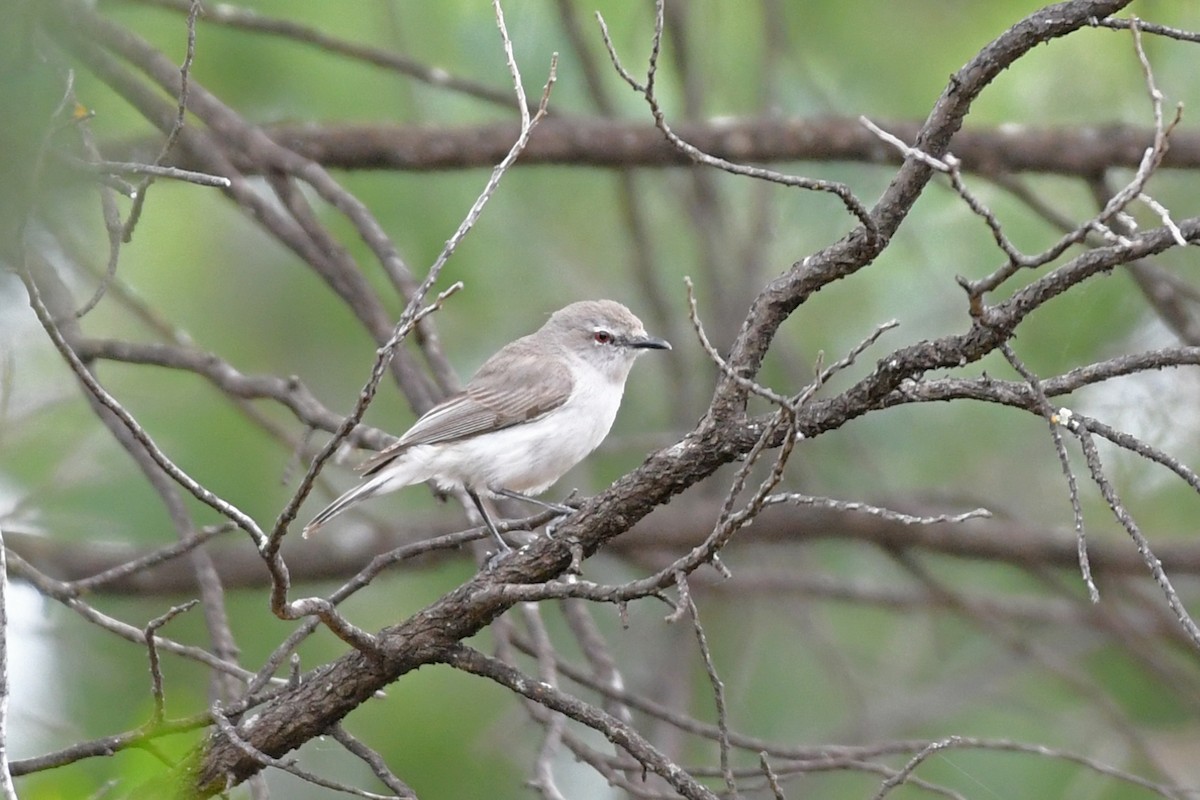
<point>648,343</point>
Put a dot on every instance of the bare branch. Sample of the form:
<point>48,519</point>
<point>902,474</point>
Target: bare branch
<point>185,71</point>
<point>843,192</point>
<point>1127,522</point>
<point>247,19</point>
<point>375,762</point>
<point>1047,412</point>
<point>718,686</point>
<point>231,732</point>
<point>156,678</point>
<point>468,660</point>
<point>109,402</point>
<point>1077,151</point>
<point>157,170</point>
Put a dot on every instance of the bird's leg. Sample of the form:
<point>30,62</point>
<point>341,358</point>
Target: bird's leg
<point>487,520</point>
<point>558,508</point>
<point>509,493</point>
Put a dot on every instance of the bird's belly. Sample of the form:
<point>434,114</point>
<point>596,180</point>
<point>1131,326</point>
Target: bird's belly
<point>529,457</point>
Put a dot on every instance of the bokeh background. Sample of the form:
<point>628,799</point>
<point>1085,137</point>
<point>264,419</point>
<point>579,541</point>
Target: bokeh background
<point>801,664</point>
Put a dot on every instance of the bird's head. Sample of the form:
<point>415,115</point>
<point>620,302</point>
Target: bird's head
<point>602,333</point>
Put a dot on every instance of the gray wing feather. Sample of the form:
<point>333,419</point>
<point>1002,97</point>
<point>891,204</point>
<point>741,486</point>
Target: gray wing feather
<point>512,387</point>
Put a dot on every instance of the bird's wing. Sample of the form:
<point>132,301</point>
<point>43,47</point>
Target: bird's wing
<point>512,387</point>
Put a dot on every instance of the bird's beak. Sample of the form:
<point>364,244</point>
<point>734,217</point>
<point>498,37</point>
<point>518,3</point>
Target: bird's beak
<point>647,343</point>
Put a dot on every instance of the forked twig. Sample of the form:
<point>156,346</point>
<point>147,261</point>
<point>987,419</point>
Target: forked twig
<point>646,89</point>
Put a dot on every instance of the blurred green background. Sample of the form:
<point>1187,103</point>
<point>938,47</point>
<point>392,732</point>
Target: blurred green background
<point>798,668</point>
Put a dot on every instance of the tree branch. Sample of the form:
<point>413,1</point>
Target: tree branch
<point>1081,151</point>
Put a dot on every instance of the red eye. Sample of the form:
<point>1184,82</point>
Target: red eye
<point>602,337</point>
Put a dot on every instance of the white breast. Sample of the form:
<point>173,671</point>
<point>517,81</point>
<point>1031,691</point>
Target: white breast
<point>528,458</point>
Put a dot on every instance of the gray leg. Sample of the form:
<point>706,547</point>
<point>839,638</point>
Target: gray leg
<point>491,526</point>
<point>509,493</point>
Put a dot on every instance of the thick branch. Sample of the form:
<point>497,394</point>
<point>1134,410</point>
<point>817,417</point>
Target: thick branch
<point>671,530</point>
<point>615,144</point>
<point>858,249</point>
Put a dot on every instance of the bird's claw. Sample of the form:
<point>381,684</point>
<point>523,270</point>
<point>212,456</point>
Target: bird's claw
<point>493,558</point>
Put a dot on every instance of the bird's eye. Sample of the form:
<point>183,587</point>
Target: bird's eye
<point>602,337</point>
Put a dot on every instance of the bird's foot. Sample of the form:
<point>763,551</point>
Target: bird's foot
<point>493,559</point>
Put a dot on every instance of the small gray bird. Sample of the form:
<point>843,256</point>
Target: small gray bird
<point>532,411</point>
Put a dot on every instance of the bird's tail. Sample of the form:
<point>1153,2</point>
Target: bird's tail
<point>364,490</point>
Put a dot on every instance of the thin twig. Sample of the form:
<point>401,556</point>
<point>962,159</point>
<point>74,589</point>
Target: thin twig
<point>157,170</point>
<point>62,593</point>
<point>1053,419</point>
<point>156,678</point>
<point>843,192</point>
<point>226,727</point>
<point>142,738</point>
<point>772,778</point>
<point>718,687</point>
<point>181,107</point>
<point>904,775</point>
<point>247,19</point>
<point>1122,515</point>
<point>469,660</point>
<point>554,724</point>
<point>857,507</point>
<point>105,399</point>
<point>160,555</point>
<point>375,761</point>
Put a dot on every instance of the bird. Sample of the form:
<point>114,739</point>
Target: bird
<point>533,411</point>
